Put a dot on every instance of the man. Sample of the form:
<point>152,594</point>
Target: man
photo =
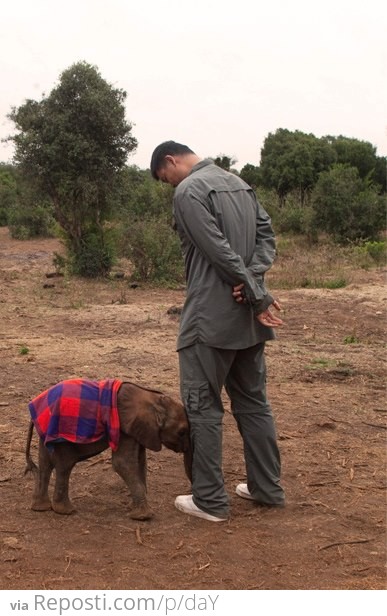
<point>228,244</point>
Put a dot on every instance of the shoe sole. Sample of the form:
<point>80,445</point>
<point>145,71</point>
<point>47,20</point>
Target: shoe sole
<point>200,514</point>
<point>250,498</point>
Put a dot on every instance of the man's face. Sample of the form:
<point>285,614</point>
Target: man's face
<point>172,172</point>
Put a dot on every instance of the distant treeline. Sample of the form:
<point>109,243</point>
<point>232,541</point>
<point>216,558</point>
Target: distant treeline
<point>69,178</point>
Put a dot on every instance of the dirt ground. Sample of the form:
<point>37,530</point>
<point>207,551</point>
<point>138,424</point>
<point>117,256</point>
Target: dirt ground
<point>326,383</point>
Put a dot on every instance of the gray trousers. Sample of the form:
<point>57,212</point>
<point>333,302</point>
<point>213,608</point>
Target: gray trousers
<point>204,371</point>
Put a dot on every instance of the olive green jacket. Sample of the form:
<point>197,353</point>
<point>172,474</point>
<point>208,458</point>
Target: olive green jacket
<point>227,239</point>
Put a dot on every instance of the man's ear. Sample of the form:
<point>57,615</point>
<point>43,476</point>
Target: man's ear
<point>170,159</point>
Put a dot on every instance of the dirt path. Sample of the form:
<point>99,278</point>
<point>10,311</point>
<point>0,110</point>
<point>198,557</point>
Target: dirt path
<point>327,387</point>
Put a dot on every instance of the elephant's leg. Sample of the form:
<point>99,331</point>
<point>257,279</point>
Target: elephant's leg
<point>129,461</point>
<point>142,468</point>
<point>65,458</point>
<point>40,499</point>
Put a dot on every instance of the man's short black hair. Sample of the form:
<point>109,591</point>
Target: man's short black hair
<point>167,148</point>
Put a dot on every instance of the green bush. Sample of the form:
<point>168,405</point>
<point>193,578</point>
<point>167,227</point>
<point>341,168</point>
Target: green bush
<point>292,220</point>
<point>370,254</point>
<point>377,251</point>
<point>346,206</point>
<point>154,250</point>
<point>25,222</point>
<point>269,201</point>
<point>93,256</point>
<point>8,191</point>
<point>144,232</point>
<point>3,217</point>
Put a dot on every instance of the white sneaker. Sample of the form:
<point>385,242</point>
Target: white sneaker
<point>243,491</point>
<point>186,505</point>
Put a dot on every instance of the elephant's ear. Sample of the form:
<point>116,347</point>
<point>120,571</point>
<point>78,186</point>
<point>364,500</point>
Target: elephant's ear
<point>141,415</point>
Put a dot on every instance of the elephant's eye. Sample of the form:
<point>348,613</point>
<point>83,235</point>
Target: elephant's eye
<point>182,432</point>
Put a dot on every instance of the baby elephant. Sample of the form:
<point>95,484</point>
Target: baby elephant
<point>78,419</point>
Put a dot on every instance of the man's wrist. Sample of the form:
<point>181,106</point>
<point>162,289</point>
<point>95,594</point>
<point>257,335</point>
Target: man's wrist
<point>263,304</point>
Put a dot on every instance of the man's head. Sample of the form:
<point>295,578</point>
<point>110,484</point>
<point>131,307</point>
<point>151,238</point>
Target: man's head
<point>171,162</point>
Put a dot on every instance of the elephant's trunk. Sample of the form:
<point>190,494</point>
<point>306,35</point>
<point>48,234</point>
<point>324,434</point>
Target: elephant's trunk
<point>30,466</point>
<point>188,462</point>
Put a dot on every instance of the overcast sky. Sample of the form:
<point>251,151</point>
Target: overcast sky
<point>217,75</point>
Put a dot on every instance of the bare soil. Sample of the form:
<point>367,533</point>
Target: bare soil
<point>326,383</point>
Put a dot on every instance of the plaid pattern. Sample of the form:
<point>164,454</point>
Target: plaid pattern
<point>79,411</point>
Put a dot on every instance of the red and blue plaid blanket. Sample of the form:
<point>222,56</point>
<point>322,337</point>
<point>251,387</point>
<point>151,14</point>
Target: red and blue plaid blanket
<point>78,410</point>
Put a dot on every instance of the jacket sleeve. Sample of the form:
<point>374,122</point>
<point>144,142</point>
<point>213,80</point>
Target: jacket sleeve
<point>199,225</point>
<point>265,247</point>
<point>265,251</point>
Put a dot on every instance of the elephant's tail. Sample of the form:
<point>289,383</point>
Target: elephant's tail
<point>30,466</point>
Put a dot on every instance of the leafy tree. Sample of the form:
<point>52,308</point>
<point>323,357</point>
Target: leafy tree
<point>355,153</point>
<point>225,162</point>
<point>142,197</point>
<point>74,142</point>
<point>346,206</point>
<point>292,161</point>
<point>380,173</point>
<point>251,175</point>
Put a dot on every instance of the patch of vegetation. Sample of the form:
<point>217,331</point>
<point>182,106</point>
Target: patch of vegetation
<point>370,254</point>
<point>59,262</point>
<point>24,350</point>
<point>320,362</point>
<point>31,220</point>
<point>336,283</point>
<point>330,366</point>
<point>351,339</point>
<point>154,250</point>
<point>322,265</point>
<point>77,304</point>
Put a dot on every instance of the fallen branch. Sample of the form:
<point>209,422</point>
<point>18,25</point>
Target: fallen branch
<point>321,504</point>
<point>365,487</point>
<point>285,435</point>
<point>323,483</point>
<point>138,536</point>
<point>129,528</point>
<point>98,461</point>
<point>339,420</point>
<point>374,425</point>
<point>6,530</point>
<point>68,558</point>
<point>336,543</point>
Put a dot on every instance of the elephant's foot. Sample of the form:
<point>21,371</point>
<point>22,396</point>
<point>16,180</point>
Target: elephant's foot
<point>41,505</point>
<point>141,513</point>
<point>63,507</point>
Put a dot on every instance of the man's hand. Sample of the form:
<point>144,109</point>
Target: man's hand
<point>266,317</point>
<point>269,319</point>
<point>238,295</point>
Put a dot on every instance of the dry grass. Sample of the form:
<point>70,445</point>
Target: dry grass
<point>323,265</point>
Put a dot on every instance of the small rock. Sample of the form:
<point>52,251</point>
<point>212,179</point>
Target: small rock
<point>54,275</point>
<point>175,310</point>
<point>12,543</point>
